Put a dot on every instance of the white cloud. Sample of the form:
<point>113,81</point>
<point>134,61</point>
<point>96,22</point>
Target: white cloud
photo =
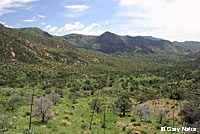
<point>73,15</point>
<point>90,30</point>
<point>69,27</point>
<point>30,20</point>
<point>57,34</point>
<point>77,8</point>
<point>41,16</point>
<point>5,5</point>
<point>53,29</point>
<point>48,26</point>
<point>43,23</point>
<point>177,19</point>
<point>4,23</point>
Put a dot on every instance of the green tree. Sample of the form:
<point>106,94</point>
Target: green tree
<point>123,104</point>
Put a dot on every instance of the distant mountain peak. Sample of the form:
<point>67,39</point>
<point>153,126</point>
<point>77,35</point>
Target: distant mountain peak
<point>107,33</point>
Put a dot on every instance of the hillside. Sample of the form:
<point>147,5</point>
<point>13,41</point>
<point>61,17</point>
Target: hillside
<point>188,44</point>
<point>34,31</point>
<point>136,91</point>
<point>82,41</point>
<point>18,47</point>
<point>110,43</point>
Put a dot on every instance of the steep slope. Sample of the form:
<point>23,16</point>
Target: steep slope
<point>83,41</point>
<point>18,47</point>
<point>110,43</point>
<point>188,44</point>
<point>141,44</point>
<point>34,31</point>
<point>152,38</point>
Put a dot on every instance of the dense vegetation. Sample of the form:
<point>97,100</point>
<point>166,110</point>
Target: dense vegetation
<point>93,92</point>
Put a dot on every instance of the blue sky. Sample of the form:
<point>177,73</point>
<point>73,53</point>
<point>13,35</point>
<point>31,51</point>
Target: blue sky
<point>168,19</point>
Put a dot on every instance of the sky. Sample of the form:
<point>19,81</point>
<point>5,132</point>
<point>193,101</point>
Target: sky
<point>174,20</point>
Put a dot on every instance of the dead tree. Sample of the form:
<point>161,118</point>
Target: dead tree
<point>90,127</point>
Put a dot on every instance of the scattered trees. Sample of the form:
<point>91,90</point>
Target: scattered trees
<point>191,109</point>
<point>7,109</point>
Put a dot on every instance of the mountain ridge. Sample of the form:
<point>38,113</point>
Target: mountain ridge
<point>109,42</point>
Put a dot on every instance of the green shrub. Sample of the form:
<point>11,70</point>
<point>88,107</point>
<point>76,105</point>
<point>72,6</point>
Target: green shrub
<point>84,126</point>
<point>67,117</point>
<point>137,124</point>
<point>133,119</point>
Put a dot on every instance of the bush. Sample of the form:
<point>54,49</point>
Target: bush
<point>68,112</point>
<point>137,124</point>
<point>133,119</point>
<point>27,113</point>
<point>27,131</point>
<point>56,113</point>
<point>124,128</point>
<point>67,117</point>
<point>84,126</point>
<point>149,121</point>
<point>65,123</point>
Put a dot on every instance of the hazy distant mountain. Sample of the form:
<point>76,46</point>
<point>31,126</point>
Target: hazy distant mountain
<point>110,43</point>
<point>33,38</point>
<point>188,44</point>
<point>152,38</point>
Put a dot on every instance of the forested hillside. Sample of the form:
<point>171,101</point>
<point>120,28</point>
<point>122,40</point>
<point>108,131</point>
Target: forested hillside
<point>105,84</point>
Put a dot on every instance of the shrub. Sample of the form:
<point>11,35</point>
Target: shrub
<point>84,126</point>
<point>137,124</point>
<point>56,113</point>
<point>144,111</point>
<point>66,112</point>
<point>67,117</point>
<point>124,128</point>
<point>133,119</point>
<point>27,113</point>
<point>65,123</point>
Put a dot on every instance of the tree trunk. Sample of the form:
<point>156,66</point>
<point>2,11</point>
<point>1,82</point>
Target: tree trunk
<point>31,110</point>
<point>43,118</point>
<point>90,127</point>
<point>160,119</point>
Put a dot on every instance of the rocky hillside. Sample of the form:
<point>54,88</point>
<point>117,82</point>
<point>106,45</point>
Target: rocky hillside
<point>19,47</point>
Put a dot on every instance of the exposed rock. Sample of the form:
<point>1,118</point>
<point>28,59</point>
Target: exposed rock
<point>13,54</point>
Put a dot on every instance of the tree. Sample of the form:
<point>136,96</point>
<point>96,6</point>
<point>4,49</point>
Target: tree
<point>144,111</point>
<point>96,105</point>
<point>55,98</point>
<point>191,109</point>
<point>74,96</point>
<point>161,114</point>
<point>42,110</point>
<point>123,104</point>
